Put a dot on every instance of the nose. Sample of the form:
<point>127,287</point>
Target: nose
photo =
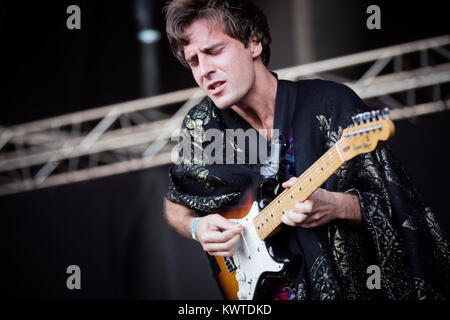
<point>206,67</point>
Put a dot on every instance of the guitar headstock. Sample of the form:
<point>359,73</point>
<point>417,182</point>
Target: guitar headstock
<point>368,128</point>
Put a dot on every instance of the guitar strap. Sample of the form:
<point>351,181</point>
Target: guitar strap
<point>315,279</point>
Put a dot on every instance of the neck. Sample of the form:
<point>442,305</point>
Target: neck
<point>258,107</point>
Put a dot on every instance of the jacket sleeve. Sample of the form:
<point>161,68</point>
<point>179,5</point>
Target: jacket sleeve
<point>411,248</point>
<point>192,182</point>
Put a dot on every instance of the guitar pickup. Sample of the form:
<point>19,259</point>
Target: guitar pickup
<point>229,263</point>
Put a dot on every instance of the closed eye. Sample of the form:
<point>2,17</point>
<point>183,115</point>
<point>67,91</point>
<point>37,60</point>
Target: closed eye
<point>216,51</point>
<point>192,61</point>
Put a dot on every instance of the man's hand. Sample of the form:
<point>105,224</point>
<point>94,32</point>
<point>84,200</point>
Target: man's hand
<point>217,235</point>
<point>322,207</point>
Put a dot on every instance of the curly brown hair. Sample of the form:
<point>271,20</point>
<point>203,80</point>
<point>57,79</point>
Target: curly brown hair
<point>241,19</point>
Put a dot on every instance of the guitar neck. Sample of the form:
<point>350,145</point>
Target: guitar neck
<point>268,221</point>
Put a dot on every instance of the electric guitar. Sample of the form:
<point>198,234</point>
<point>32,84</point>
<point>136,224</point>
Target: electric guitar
<point>250,271</point>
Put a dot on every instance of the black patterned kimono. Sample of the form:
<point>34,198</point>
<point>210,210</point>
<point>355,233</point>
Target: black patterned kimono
<point>399,233</point>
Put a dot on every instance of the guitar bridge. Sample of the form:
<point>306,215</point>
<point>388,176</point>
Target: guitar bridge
<point>229,263</point>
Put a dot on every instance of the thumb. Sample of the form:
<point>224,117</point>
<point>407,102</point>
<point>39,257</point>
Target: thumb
<point>224,223</point>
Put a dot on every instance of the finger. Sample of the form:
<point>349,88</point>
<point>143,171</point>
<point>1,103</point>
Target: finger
<point>227,252</point>
<point>307,222</point>
<point>223,223</point>
<point>285,219</point>
<point>222,247</point>
<point>289,183</point>
<point>315,220</point>
<point>212,227</point>
<point>296,217</point>
<point>216,236</point>
<point>305,207</point>
<point>292,218</point>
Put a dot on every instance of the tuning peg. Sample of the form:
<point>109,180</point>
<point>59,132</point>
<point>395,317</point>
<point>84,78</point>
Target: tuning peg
<point>374,115</point>
<point>356,119</point>
<point>385,113</point>
<point>379,115</point>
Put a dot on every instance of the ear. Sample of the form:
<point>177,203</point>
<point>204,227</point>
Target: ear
<point>255,47</point>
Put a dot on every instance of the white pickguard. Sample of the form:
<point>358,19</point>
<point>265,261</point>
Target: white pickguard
<point>251,257</point>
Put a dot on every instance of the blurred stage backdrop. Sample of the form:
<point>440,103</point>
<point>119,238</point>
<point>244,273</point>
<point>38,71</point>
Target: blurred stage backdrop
<point>87,117</point>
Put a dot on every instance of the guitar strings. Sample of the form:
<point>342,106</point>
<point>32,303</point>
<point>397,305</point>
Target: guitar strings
<point>311,173</point>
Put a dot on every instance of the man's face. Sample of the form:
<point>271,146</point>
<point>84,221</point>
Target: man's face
<point>220,64</point>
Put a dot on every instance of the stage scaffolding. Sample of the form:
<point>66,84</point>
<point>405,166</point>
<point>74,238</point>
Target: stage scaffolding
<point>140,134</point>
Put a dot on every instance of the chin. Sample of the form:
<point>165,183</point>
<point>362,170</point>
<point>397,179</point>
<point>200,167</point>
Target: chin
<point>222,104</point>
<point>225,101</point>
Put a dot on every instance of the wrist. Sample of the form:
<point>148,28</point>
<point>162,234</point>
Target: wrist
<point>349,208</point>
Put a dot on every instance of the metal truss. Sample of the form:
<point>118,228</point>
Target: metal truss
<point>125,137</point>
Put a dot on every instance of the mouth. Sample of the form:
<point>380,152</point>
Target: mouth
<point>216,87</point>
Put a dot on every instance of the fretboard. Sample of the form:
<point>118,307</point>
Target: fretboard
<point>268,220</point>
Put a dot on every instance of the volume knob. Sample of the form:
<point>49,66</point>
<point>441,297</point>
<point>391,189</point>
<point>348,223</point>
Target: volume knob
<point>241,295</point>
<point>240,276</point>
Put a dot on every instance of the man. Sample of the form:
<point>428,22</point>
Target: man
<point>366,214</point>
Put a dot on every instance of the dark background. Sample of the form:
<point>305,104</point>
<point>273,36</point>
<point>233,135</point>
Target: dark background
<point>113,227</point>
